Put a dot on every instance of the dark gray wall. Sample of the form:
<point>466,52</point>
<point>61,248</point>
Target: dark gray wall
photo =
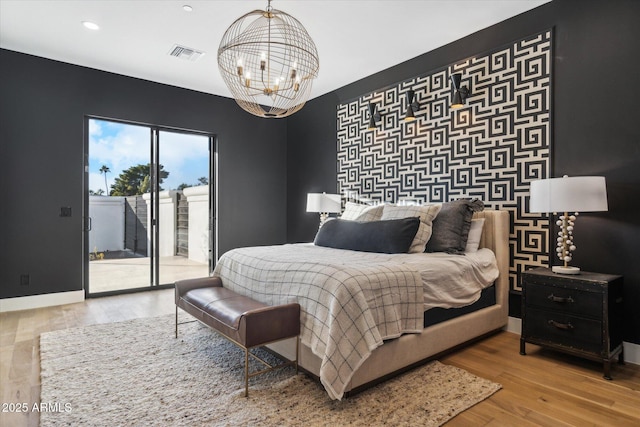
<point>595,129</point>
<point>42,109</point>
<point>42,105</point>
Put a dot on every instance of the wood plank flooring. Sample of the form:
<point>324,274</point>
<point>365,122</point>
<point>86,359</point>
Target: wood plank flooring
<point>547,388</point>
<point>543,388</point>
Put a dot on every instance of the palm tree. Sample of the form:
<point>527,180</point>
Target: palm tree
<point>104,169</point>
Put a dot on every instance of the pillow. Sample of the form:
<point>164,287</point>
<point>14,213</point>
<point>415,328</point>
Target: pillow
<point>426,213</point>
<point>475,232</point>
<point>451,226</point>
<point>360,212</point>
<point>389,237</point>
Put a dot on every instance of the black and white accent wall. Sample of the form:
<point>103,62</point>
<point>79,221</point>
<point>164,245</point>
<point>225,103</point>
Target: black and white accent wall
<point>592,127</point>
<point>491,149</point>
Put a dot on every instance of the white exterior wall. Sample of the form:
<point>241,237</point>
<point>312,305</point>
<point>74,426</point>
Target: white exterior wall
<point>198,201</point>
<point>107,223</point>
<point>167,222</point>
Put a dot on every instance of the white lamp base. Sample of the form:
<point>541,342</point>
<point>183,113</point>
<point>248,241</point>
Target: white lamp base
<point>565,270</point>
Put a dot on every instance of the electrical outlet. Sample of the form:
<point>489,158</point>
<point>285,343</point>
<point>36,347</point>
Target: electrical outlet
<point>65,211</point>
<point>25,279</point>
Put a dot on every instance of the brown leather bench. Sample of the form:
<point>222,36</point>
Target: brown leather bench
<point>242,320</point>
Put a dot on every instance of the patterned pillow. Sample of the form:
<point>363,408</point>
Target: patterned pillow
<point>426,213</point>
<point>451,226</point>
<point>360,212</point>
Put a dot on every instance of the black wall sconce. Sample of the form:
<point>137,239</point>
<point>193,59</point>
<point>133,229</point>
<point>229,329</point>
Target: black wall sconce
<point>374,116</point>
<point>412,106</point>
<point>460,94</point>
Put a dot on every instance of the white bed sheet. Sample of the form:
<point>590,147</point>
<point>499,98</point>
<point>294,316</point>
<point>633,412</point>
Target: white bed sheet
<point>452,281</point>
<point>351,300</point>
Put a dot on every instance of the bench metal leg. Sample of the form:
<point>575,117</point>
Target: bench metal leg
<point>248,353</point>
<point>246,372</point>
<point>269,367</point>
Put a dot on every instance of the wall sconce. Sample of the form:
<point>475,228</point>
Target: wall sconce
<point>460,94</point>
<point>374,116</point>
<point>411,106</point>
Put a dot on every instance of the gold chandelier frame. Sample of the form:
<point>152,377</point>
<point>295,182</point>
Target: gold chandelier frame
<point>268,61</point>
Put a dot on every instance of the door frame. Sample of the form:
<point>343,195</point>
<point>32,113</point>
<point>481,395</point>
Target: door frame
<point>154,162</point>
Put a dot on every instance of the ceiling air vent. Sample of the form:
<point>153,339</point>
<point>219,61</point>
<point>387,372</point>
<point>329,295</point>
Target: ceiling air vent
<point>184,52</point>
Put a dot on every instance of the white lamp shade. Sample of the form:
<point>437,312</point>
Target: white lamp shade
<point>323,202</point>
<point>569,194</point>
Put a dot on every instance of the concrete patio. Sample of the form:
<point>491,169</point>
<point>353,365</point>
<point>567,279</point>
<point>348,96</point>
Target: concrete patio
<point>129,273</point>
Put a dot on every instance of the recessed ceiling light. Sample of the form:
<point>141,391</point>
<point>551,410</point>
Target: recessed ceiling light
<point>187,8</point>
<point>90,25</point>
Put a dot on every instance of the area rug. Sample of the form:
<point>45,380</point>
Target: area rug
<point>135,373</point>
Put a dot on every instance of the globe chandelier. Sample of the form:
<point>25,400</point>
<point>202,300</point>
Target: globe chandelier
<point>268,61</point>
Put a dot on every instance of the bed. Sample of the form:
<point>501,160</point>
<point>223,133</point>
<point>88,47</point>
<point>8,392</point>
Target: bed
<point>352,339</point>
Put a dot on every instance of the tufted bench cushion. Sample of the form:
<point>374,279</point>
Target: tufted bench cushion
<point>243,320</point>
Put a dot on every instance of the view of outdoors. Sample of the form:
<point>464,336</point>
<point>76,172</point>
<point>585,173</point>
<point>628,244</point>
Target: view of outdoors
<point>117,148</point>
<point>121,212</point>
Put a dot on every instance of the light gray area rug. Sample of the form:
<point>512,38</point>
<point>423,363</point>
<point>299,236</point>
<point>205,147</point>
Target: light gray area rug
<point>135,373</point>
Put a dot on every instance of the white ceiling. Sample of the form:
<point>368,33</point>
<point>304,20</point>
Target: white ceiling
<point>355,38</point>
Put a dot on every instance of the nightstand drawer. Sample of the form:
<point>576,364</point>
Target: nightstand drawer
<point>568,300</point>
<point>571,331</point>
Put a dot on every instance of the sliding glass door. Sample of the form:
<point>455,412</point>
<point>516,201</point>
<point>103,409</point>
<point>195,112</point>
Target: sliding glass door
<point>148,208</point>
<point>185,239</point>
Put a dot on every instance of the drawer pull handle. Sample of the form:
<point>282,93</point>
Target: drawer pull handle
<point>560,325</point>
<point>554,298</point>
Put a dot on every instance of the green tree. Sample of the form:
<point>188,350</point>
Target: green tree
<point>135,180</point>
<point>145,187</point>
<point>203,180</point>
<point>104,169</point>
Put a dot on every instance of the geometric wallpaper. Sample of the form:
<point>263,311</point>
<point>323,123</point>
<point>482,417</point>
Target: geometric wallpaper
<point>492,148</point>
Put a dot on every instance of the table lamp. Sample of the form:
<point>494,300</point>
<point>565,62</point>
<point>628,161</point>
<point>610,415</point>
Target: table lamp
<point>324,204</point>
<point>564,195</point>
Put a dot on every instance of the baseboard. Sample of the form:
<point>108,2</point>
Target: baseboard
<point>631,351</point>
<point>39,301</point>
<point>514,325</point>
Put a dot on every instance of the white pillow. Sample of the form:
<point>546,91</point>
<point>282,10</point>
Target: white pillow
<point>426,213</point>
<point>360,212</point>
<point>475,232</point>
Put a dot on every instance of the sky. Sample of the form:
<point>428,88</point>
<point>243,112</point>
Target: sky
<point>120,146</point>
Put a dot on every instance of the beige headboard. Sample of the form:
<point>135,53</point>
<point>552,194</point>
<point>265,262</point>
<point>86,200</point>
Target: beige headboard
<point>495,236</point>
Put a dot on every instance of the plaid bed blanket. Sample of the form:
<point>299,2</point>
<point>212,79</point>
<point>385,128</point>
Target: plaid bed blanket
<point>351,301</point>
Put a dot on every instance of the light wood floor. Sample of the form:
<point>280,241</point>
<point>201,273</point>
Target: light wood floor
<point>543,388</point>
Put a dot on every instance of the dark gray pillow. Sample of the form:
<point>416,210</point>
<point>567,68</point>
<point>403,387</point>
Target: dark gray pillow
<point>451,226</point>
<point>392,236</point>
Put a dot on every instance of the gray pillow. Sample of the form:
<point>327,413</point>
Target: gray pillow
<point>389,237</point>
<point>451,226</point>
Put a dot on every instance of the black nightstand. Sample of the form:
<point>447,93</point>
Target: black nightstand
<point>578,314</point>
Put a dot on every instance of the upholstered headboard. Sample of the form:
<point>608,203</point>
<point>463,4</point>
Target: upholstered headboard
<point>495,236</point>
